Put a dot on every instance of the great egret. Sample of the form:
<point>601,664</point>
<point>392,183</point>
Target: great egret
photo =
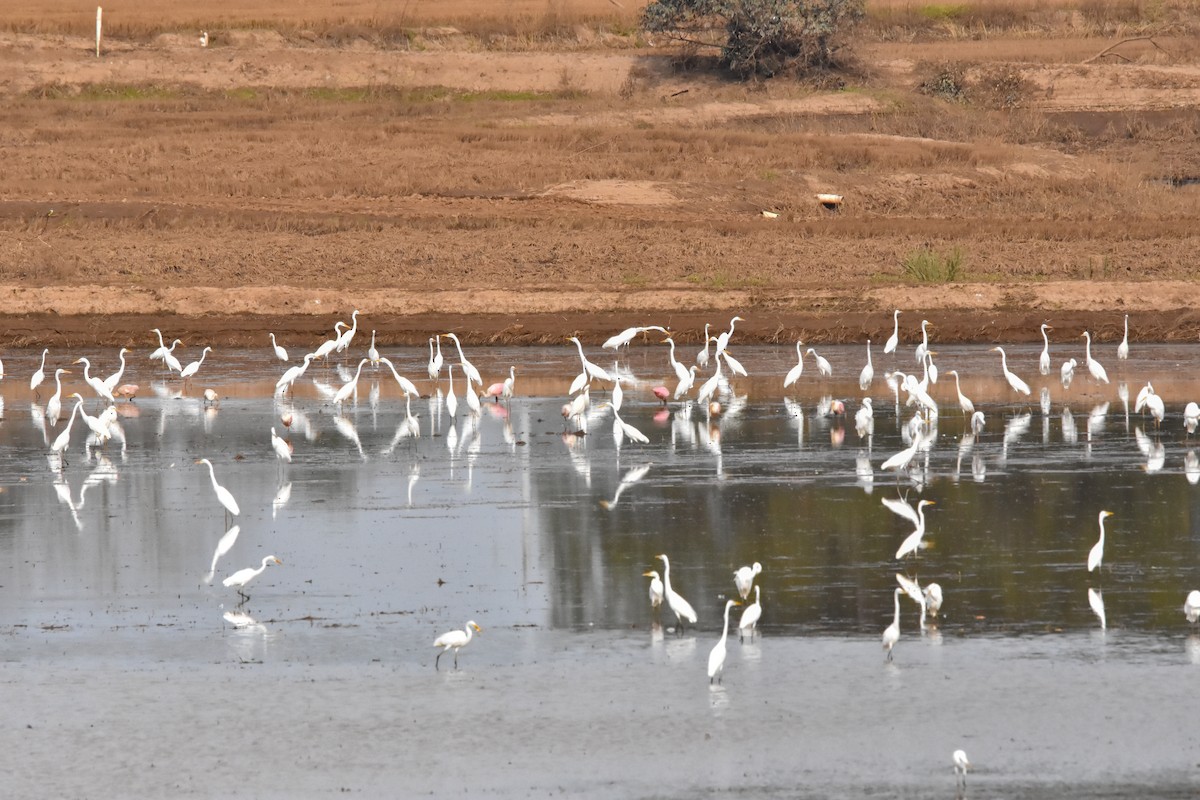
<point>54,404</point>
<point>923,347</point>
<point>455,640</point>
<point>373,351</point>
<point>823,367</point>
<point>709,387</point>
<point>293,374</point>
<point>750,617</point>
<point>626,336</point>
<point>1016,383</point>
<point>112,381</point>
<point>933,598</point>
<point>472,398</point>
<point>964,402</point>
<point>36,379</point>
<point>1067,372</point>
<point>64,439</point>
<point>901,460</point>
<point>158,353</point>
<point>656,588</point>
<point>961,765</point>
<point>716,657</point>
<point>1191,606</point>
<point>169,358</point>
<point>868,372</point>
<point>350,386</point>
<point>1094,367</point>
<point>681,608</point>
<point>864,419</point>
<point>1191,417</point>
<point>224,545</point>
<point>97,385</point>
<point>280,353</point>
<point>743,578</point>
<point>343,342</point>
<point>618,394</point>
<point>97,425</point>
<point>625,429</point>
<point>1123,347</point>
<point>406,386</point>
<point>725,336</point>
<point>326,347</point>
<point>1097,553</point>
<point>194,367</point>
<point>593,371</point>
<point>734,365</point>
<point>1044,359</point>
<point>282,448</point>
<point>913,541</point>
<point>795,372</point>
<point>435,358</point>
<point>468,368</point>
<point>681,372</point>
<point>451,399</point>
<point>239,579</point>
<point>977,422</point>
<point>891,634</point>
<point>224,496</point>
<point>686,385</point>
<point>890,345</point>
<point>702,356</point>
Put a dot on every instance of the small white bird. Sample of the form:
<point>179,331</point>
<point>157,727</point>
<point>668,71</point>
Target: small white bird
<point>204,38</point>
<point>280,353</point>
<point>239,579</point>
<point>224,496</point>
<point>1191,417</point>
<point>455,640</point>
<point>933,598</point>
<point>864,419</point>
<point>750,617</point>
<point>1097,553</point>
<point>977,422</point>
<point>656,588</point>
<point>961,765</point>
<point>1123,347</point>
<point>716,657</point>
<point>743,578</point>
<point>1191,606</point>
<point>194,367</point>
<point>681,608</point>
<point>891,634</point>
<point>893,340</point>
<point>1067,372</point>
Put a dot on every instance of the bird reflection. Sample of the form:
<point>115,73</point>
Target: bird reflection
<point>1045,401</point>
<point>347,429</point>
<point>414,475</point>
<point>864,472</point>
<point>1070,433</point>
<point>104,472</point>
<point>1191,467</point>
<point>223,546</point>
<point>628,479</point>
<point>579,457</point>
<point>1096,601</point>
<point>63,490</point>
<point>1096,419</point>
<point>38,414</point>
<point>1155,453</point>
<point>208,417</point>
<point>281,498</point>
<point>1123,396</point>
<point>978,468</point>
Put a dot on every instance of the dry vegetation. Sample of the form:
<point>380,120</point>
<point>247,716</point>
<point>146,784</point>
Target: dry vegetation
<point>248,165</point>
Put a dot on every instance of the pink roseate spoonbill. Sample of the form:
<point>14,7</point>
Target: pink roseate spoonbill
<point>662,393</point>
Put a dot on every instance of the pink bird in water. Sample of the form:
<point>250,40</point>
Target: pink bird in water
<point>662,393</point>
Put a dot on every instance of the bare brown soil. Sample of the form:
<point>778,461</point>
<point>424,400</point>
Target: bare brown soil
<point>522,191</point>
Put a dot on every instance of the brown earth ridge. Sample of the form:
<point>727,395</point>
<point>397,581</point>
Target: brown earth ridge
<point>581,185</point>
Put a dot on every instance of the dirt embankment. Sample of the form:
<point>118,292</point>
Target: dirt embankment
<point>520,197</point>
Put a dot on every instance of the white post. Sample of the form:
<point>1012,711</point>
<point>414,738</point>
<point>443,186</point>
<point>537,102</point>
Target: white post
<point>99,15</point>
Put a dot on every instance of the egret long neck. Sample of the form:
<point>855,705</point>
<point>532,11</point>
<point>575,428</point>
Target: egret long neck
<point>725,632</point>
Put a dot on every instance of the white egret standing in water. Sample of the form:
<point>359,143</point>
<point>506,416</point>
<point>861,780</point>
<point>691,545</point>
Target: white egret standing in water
<point>702,356</point>
<point>1016,383</point>
<point>868,372</point>
<point>1094,367</point>
<point>656,588</point>
<point>351,386</point>
<point>1191,606</point>
<point>455,640</point>
<point>823,367</point>
<point>54,404</point>
<point>1123,347</point>
<point>435,359</point>
<point>743,578</point>
<point>194,367</point>
<point>716,657</point>
<point>961,765</point>
<point>891,634</point>
<point>280,353</point>
<point>893,340</point>
<point>239,579</point>
<point>795,372</point>
<point>964,402</point>
<point>1044,360</point>
<point>36,379</point>
<point>933,598</point>
<point>750,618</point>
<point>681,608</point>
<point>468,368</point>
<point>1097,553</point>
<point>224,496</point>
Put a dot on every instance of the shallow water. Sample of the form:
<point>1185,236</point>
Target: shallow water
<point>122,647</point>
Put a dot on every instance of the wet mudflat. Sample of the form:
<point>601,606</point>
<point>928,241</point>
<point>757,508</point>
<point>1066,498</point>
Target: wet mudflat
<point>124,656</point>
